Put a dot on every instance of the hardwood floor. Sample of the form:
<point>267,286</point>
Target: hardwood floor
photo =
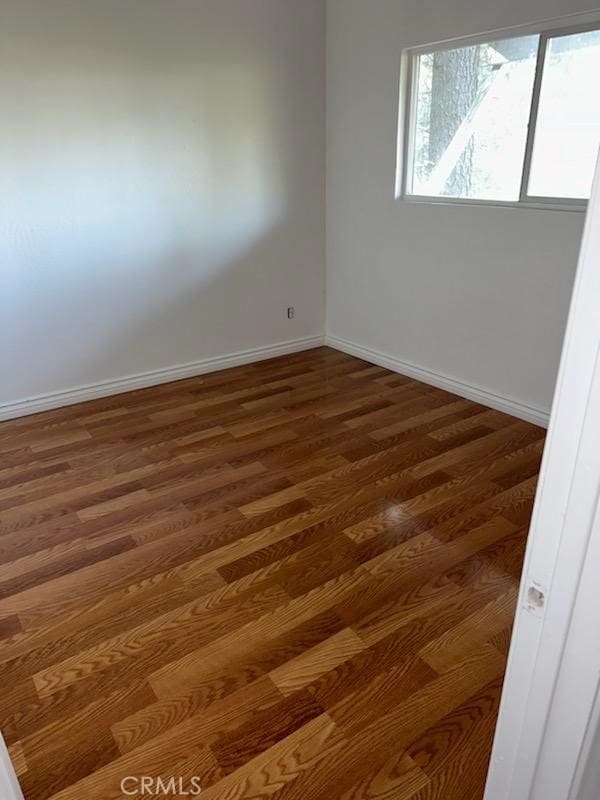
<point>294,579</point>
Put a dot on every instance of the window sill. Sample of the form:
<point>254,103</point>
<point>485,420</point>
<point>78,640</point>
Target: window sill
<point>550,205</point>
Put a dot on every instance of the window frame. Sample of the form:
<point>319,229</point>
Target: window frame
<point>407,119</point>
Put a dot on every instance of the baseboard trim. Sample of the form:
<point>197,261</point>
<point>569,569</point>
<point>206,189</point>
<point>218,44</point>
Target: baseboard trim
<point>33,405</point>
<point>508,405</point>
<point>142,380</point>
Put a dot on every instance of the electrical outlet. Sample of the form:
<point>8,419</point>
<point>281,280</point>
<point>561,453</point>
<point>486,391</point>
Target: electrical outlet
<point>290,312</point>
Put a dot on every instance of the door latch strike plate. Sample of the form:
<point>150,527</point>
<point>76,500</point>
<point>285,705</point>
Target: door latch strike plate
<point>535,598</point>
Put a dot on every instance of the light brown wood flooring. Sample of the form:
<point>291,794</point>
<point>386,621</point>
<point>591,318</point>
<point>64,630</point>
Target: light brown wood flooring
<point>294,579</point>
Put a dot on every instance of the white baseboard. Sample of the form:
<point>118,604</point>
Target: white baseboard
<point>32,405</point>
<point>539,416</point>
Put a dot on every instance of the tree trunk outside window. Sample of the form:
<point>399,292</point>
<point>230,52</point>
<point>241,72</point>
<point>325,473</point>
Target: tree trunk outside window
<point>454,87</point>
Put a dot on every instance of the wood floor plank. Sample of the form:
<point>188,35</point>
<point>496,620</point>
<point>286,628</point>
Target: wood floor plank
<point>221,674</point>
<point>291,579</point>
<point>391,733</point>
<point>453,752</point>
<point>235,748</point>
<point>470,633</point>
<point>399,777</point>
<point>17,757</point>
<point>299,672</point>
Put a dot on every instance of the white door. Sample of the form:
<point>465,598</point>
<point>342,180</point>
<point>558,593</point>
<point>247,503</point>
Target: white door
<point>554,663</point>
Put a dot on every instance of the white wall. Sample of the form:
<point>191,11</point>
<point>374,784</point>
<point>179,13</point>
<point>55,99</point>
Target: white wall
<point>162,196</point>
<point>477,294</point>
<point>161,184</point>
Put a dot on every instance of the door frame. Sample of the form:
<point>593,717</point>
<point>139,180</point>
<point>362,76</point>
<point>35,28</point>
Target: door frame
<point>554,663</point>
<point>9,784</point>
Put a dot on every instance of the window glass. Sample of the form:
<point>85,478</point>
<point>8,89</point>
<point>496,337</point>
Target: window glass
<point>471,116</point>
<point>568,123</point>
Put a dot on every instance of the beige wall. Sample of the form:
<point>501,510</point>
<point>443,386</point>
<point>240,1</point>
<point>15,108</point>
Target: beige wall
<point>161,184</point>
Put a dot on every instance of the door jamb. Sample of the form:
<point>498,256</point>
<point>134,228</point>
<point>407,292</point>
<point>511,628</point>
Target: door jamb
<point>562,534</point>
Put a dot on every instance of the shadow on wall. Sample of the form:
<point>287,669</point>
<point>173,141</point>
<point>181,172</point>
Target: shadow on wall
<point>149,205</point>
